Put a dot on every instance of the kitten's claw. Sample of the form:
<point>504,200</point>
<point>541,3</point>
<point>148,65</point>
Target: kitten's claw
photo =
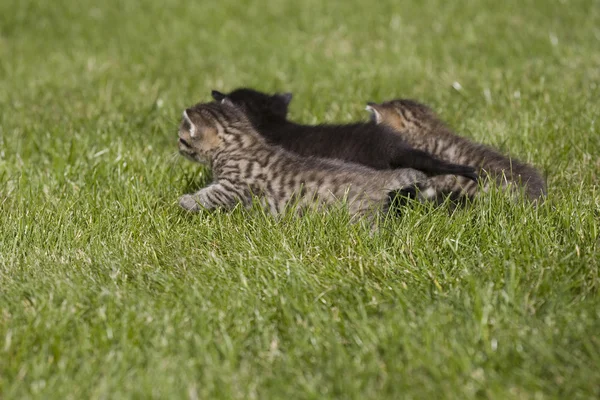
<point>189,203</point>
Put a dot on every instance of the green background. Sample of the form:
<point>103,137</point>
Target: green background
<point>108,290</point>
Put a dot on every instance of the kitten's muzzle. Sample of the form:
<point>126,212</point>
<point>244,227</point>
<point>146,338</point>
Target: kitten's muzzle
<point>185,149</point>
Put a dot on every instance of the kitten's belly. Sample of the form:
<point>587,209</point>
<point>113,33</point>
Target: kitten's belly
<point>360,194</point>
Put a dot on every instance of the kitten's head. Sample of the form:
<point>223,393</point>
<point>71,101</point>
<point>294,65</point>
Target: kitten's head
<point>260,107</point>
<point>209,127</point>
<point>402,115</point>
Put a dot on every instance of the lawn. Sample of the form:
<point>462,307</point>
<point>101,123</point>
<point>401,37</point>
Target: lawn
<point>109,290</point>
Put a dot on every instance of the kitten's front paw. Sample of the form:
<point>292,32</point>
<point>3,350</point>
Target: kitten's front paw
<point>189,203</point>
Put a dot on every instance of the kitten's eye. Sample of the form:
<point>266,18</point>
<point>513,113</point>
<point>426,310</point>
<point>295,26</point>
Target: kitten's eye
<point>186,125</point>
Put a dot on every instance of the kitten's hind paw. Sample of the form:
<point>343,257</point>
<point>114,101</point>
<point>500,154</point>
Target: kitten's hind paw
<point>398,199</point>
<point>189,203</point>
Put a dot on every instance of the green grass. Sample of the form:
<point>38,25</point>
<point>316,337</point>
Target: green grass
<point>108,290</point>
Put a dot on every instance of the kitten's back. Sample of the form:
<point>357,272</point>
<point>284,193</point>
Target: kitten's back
<point>350,142</point>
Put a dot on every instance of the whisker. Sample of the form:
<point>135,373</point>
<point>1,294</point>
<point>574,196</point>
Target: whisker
<point>173,157</point>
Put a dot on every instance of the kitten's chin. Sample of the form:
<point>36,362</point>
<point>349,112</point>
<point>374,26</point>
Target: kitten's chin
<point>194,157</point>
<point>201,160</point>
<point>188,155</point>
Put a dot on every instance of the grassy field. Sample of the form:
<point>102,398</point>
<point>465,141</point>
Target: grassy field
<point>108,290</point>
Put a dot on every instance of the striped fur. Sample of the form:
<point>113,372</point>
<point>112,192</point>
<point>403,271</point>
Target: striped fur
<point>423,129</point>
<point>371,145</point>
<point>245,167</point>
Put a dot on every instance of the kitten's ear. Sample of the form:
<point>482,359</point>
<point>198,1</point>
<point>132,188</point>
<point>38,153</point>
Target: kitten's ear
<point>285,97</point>
<point>218,96</point>
<point>186,117</point>
<point>375,113</point>
<point>227,101</point>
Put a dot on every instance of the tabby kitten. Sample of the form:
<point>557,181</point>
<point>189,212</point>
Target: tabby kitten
<point>244,164</point>
<point>368,144</point>
<point>423,129</point>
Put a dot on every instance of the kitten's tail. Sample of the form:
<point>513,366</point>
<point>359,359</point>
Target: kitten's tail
<point>433,166</point>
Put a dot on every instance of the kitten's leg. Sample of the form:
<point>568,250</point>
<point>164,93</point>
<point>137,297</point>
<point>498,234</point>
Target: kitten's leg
<point>211,197</point>
<point>421,192</point>
<point>366,212</point>
<point>457,191</point>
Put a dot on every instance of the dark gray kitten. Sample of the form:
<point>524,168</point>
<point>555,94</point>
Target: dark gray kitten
<point>422,128</point>
<point>369,144</point>
<point>245,166</point>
